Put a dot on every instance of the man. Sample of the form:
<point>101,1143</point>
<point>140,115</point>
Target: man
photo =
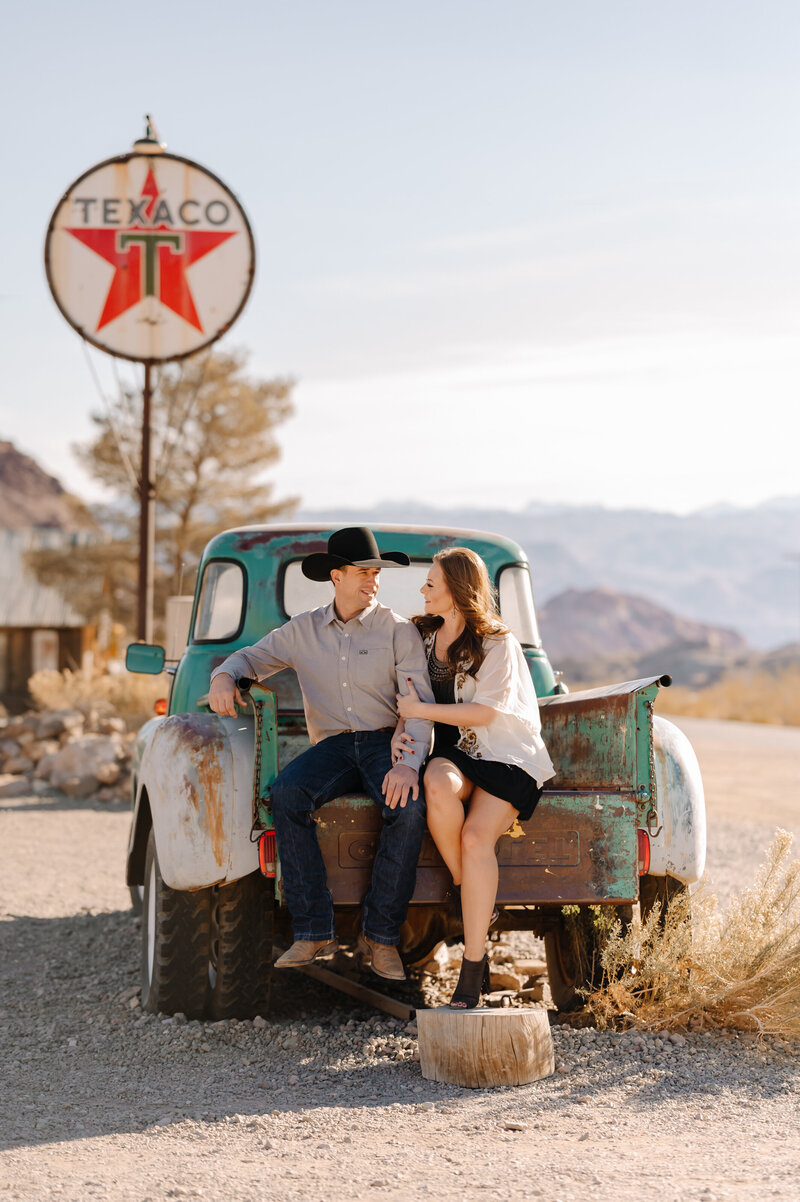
<point>351,658</point>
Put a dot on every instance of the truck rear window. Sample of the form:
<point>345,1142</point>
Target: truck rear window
<point>220,607</point>
<point>400,591</point>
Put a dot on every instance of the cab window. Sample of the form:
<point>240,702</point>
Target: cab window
<point>515,597</point>
<point>221,603</point>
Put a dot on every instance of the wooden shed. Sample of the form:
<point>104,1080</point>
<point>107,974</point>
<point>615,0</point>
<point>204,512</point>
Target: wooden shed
<point>38,627</point>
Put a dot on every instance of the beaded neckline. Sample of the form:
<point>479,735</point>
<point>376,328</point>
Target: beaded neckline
<point>436,669</point>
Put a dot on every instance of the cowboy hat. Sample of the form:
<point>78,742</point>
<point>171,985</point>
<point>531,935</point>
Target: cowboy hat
<point>353,547</point>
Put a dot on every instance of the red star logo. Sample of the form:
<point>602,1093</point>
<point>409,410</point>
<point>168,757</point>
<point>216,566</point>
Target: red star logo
<point>150,261</point>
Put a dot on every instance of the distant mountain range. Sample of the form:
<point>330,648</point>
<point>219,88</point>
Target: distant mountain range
<point>736,569</point>
<point>618,585</point>
<point>32,500</point>
<point>603,635</point>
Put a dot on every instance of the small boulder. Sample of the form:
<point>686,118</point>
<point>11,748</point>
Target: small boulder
<point>9,747</point>
<point>15,786</point>
<point>18,764</point>
<point>79,786</point>
<point>109,726</point>
<point>89,758</point>
<point>504,978</point>
<point>45,765</point>
<point>36,751</point>
<point>57,722</point>
<point>108,773</point>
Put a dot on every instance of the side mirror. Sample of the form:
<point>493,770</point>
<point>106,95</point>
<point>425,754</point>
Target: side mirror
<point>145,657</point>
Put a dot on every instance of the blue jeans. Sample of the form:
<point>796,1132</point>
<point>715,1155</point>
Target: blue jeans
<point>352,762</point>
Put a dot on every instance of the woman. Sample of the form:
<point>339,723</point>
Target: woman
<point>488,761</point>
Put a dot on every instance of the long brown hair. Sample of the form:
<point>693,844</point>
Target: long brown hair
<point>467,579</point>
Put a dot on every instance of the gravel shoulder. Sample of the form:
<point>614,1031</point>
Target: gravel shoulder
<point>326,1101</point>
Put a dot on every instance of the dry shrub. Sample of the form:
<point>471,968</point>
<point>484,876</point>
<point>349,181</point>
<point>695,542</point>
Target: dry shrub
<point>124,694</point>
<point>742,695</point>
<point>694,966</point>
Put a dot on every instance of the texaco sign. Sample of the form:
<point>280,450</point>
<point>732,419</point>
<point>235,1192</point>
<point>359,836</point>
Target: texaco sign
<point>149,257</point>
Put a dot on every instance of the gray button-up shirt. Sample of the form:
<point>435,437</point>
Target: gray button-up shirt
<point>349,672</point>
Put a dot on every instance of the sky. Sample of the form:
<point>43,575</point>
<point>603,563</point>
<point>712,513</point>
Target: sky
<point>510,252</point>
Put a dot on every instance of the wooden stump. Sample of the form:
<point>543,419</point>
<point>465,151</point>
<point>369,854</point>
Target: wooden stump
<point>485,1047</point>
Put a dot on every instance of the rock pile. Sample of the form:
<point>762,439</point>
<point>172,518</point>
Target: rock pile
<point>80,751</point>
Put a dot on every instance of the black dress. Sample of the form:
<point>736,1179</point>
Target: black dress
<point>506,781</point>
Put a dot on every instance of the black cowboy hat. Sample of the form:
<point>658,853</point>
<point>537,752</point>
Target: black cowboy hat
<point>352,547</point>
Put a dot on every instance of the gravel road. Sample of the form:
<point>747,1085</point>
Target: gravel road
<point>326,1102</point>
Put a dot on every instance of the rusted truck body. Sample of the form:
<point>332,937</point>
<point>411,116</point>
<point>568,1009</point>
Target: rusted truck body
<point>622,822</point>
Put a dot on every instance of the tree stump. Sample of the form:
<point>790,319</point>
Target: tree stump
<point>485,1047</point>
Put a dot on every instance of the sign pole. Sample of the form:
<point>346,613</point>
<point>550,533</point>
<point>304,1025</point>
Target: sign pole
<point>147,505</point>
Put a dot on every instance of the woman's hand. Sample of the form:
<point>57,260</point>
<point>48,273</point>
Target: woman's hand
<point>400,740</point>
<point>408,703</point>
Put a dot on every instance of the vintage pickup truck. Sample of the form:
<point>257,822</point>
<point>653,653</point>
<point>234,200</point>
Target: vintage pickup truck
<point>622,822</point>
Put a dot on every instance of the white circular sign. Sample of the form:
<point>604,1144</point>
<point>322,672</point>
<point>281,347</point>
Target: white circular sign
<point>150,257</point>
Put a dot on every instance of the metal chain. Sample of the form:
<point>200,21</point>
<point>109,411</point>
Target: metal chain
<point>652,813</point>
<point>258,708</point>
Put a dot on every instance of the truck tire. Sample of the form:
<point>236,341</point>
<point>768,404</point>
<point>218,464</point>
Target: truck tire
<point>573,947</point>
<point>137,896</point>
<point>176,927</point>
<point>240,957</point>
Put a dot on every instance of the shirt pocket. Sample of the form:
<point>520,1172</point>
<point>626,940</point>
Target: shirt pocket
<point>374,668</point>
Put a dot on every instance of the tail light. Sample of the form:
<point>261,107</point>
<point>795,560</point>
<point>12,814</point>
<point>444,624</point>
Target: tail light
<point>643,840</point>
<point>160,706</point>
<point>266,853</point>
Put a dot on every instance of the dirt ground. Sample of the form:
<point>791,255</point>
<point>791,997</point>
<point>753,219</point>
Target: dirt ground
<point>326,1101</point>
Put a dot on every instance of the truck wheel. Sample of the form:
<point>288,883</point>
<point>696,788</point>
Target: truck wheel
<point>240,959</point>
<point>137,894</point>
<point>573,948</point>
<point>175,939</point>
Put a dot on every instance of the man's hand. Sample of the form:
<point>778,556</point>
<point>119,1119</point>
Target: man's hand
<point>398,783</point>
<point>223,696</point>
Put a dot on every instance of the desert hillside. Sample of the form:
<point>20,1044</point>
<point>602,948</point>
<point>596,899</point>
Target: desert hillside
<point>32,499</point>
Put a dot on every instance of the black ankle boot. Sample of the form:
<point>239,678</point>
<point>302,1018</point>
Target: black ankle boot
<point>473,980</point>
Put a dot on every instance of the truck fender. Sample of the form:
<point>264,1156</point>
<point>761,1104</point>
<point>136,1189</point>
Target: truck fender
<point>197,774</point>
<point>679,848</point>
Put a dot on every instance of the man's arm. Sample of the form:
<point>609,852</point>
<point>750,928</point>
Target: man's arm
<point>263,659</point>
<point>410,664</point>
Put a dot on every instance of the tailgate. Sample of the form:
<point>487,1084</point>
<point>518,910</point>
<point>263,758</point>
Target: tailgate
<point>577,847</point>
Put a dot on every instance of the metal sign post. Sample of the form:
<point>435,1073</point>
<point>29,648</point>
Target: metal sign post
<point>147,517</point>
<point>150,257</point>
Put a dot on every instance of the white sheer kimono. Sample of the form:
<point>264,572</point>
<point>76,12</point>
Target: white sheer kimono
<point>504,683</point>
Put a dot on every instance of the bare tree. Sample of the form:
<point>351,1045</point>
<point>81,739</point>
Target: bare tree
<point>213,439</point>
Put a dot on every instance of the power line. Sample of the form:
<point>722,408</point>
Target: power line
<point>126,461</point>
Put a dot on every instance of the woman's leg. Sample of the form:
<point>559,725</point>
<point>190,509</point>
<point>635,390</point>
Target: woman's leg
<point>446,790</point>
<point>489,817</point>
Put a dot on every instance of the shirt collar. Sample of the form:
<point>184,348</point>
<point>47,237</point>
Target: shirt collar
<point>365,617</point>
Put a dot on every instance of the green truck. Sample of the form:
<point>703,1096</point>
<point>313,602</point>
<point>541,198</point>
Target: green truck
<point>623,820</point>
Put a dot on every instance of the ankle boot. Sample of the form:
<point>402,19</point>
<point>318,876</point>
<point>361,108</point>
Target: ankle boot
<point>473,980</point>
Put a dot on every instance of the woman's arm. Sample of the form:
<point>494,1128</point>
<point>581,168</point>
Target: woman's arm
<point>464,713</point>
